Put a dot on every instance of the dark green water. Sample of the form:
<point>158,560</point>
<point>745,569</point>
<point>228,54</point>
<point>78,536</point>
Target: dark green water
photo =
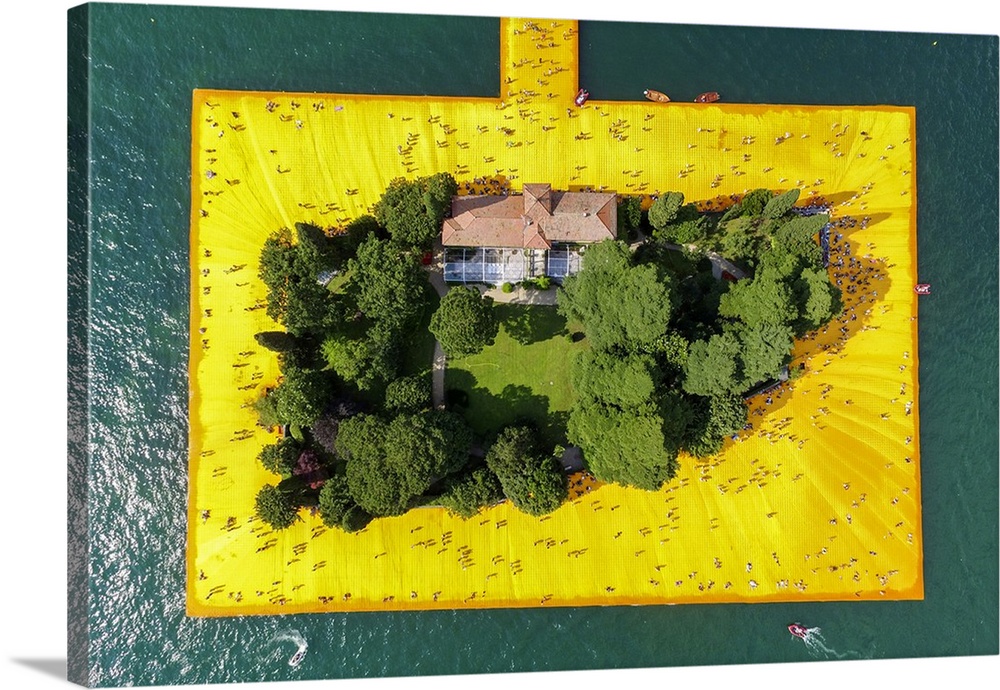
<point>141,73</point>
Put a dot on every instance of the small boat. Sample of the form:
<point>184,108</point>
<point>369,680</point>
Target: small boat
<point>922,288</point>
<point>297,658</point>
<point>657,96</point>
<point>707,97</point>
<point>581,97</point>
<point>799,631</point>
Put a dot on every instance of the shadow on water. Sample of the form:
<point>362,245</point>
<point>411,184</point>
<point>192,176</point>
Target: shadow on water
<point>488,412</point>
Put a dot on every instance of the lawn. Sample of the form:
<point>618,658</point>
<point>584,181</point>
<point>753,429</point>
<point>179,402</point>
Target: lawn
<point>524,375</point>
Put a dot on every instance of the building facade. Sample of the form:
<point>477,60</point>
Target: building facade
<point>501,239</point>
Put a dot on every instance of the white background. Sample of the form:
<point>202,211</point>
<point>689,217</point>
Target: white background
<point>32,167</point>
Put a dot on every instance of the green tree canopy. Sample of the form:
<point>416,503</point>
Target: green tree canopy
<point>628,383</point>
<point>714,418</point>
<point>275,507</point>
<point>629,215</point>
<point>280,457</point>
<point>294,297</point>
<point>465,322</point>
<point>622,446</point>
<point>818,299</point>
<point>387,284</point>
<point>391,463</point>
<point>765,349</point>
<point>408,394</point>
<point>302,395</point>
<point>412,210</point>
<point>471,490</point>
<point>713,367</point>
<point>750,206</point>
<point>619,304</point>
<point>797,237</point>
<point>781,204</point>
<point>764,299</point>
<point>347,357</point>
<point>335,501</point>
<point>664,209</point>
<point>533,482</point>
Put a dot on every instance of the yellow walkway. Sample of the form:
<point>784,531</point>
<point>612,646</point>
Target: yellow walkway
<point>821,502</point>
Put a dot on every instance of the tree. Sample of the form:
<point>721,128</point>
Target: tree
<point>348,357</point>
<point>533,482</point>
<point>629,216</point>
<point>685,232</point>
<point>741,240</point>
<point>628,383</point>
<point>751,205</point>
<point>387,284</point>
<point>335,501</point>
<point>275,507</point>
<point>818,300</point>
<point>317,253</point>
<point>324,429</point>
<point>765,348</point>
<point>714,418</point>
<point>391,463</point>
<point>280,457</point>
<point>622,446</point>
<point>464,322</point>
<point>267,410</point>
<point>664,209</point>
<point>301,396</point>
<point>764,299</point>
<point>412,211</point>
<point>408,394</point>
<point>619,304</point>
<point>781,204</point>
<point>294,297</point>
<point>713,367</point>
<point>797,237</point>
<point>471,490</point>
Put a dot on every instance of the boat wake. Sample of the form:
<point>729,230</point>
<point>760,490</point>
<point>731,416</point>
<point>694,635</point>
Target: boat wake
<point>818,647</point>
<point>300,642</point>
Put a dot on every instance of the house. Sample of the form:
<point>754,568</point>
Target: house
<point>500,239</point>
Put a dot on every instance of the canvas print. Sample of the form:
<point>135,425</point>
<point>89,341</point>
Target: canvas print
<point>548,343</point>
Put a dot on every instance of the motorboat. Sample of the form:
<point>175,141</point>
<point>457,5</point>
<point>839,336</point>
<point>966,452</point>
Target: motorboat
<point>922,288</point>
<point>707,97</point>
<point>799,631</point>
<point>581,97</point>
<point>657,96</point>
<point>297,658</point>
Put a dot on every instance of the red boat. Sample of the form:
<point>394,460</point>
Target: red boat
<point>707,97</point>
<point>798,630</point>
<point>922,288</point>
<point>581,97</point>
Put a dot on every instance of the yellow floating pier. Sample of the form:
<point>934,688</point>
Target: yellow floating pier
<point>820,502</point>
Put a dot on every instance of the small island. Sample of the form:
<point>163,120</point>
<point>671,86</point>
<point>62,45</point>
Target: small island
<point>681,311</point>
<point>515,352</point>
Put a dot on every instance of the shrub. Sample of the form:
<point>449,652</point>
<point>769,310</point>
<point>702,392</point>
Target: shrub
<point>507,287</point>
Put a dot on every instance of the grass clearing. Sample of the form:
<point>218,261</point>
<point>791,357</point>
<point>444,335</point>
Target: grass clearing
<point>525,374</point>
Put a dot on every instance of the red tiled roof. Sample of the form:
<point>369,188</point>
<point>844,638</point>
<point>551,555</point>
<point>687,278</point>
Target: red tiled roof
<point>533,220</point>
